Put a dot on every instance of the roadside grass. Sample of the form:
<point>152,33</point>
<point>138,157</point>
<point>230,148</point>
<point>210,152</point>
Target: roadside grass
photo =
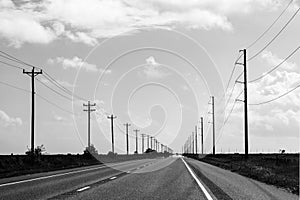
<point>16,165</point>
<point>22,164</point>
<point>281,170</point>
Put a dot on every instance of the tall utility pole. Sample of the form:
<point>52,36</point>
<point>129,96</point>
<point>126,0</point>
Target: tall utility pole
<point>32,74</point>
<point>245,100</point>
<point>246,103</point>
<point>193,142</point>
<point>136,139</point>
<point>112,117</point>
<point>196,139</point>
<point>148,136</point>
<point>213,122</point>
<point>89,110</point>
<point>191,145</point>
<point>143,136</point>
<point>151,141</point>
<point>127,142</point>
<point>202,135</point>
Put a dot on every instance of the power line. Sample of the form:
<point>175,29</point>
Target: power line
<point>275,36</point>
<point>54,104</point>
<point>263,34</point>
<point>54,90</point>
<point>274,68</point>
<point>11,65</point>
<point>231,75</point>
<point>46,75</point>
<point>22,89</point>
<point>228,116</point>
<point>12,58</point>
<point>271,100</point>
<point>15,87</point>
<point>61,87</point>
<point>232,108</point>
<point>233,88</point>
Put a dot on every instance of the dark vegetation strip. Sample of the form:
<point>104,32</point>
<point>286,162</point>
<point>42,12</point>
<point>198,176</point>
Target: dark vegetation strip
<point>281,170</point>
<point>16,165</point>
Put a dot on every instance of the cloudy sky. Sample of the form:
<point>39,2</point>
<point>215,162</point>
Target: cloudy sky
<point>153,64</point>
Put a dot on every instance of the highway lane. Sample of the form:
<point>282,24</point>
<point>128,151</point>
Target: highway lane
<point>47,185</point>
<point>164,178</point>
<point>170,179</point>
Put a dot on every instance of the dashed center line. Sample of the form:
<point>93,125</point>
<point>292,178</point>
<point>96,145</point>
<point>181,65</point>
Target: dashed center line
<point>82,189</point>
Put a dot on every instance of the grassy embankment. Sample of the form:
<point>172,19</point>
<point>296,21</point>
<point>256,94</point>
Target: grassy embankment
<point>281,170</point>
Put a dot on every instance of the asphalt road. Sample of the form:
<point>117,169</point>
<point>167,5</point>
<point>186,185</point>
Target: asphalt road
<point>163,178</point>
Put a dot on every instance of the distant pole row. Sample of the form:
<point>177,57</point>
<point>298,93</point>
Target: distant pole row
<point>155,144</point>
<point>190,146</point>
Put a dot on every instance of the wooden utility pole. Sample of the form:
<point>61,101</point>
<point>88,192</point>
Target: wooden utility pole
<point>196,143</point>
<point>148,137</point>
<point>127,141</point>
<point>213,122</point>
<point>245,83</point>
<point>151,141</point>
<point>89,110</point>
<point>246,103</point>
<point>193,142</point>
<point>136,140</point>
<point>143,136</point>
<point>202,135</point>
<point>32,74</point>
<point>112,117</point>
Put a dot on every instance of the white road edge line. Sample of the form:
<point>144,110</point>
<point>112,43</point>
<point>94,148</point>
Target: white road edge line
<point>197,180</point>
<point>55,175</point>
<point>112,178</point>
<point>82,189</point>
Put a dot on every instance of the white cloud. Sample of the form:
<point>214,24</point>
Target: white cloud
<point>151,61</point>
<point>87,21</point>
<point>6,4</point>
<point>8,121</point>
<point>153,70</point>
<point>273,60</point>
<point>19,27</point>
<point>280,117</point>
<point>76,63</point>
